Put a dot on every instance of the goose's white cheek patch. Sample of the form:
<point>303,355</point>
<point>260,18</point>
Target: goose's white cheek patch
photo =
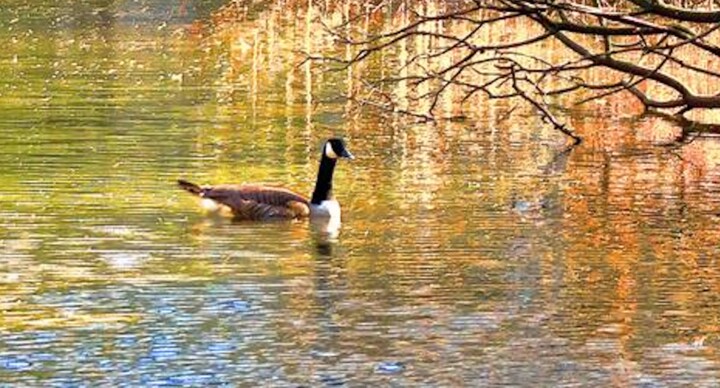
<point>330,152</point>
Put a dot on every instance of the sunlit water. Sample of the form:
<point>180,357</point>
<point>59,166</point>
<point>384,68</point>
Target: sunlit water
<point>471,253</point>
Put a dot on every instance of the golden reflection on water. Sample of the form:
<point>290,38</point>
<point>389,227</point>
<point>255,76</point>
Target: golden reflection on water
<point>625,246</point>
<point>313,22</point>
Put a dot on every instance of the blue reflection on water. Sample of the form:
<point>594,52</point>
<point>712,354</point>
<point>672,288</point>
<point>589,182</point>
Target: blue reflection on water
<point>15,363</point>
<point>390,367</point>
<point>231,306</point>
<point>167,346</point>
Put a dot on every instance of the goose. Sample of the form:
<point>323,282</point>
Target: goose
<point>258,202</point>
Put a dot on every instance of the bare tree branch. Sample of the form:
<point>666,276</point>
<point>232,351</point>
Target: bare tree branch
<point>633,41</point>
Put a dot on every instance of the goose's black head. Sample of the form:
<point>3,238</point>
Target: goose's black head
<point>335,148</point>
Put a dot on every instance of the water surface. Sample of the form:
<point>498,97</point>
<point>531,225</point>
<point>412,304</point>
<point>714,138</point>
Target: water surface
<point>472,253</point>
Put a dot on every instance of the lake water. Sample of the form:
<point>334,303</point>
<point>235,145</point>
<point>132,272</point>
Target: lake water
<point>472,253</point>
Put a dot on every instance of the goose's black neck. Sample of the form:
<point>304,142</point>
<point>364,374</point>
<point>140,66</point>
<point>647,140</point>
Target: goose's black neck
<point>323,185</point>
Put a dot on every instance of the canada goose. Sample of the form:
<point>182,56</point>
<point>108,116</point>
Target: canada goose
<point>257,202</point>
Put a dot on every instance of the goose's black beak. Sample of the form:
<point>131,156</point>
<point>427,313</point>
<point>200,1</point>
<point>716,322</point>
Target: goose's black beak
<point>347,155</point>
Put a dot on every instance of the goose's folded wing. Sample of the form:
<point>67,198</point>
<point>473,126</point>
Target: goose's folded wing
<point>259,202</point>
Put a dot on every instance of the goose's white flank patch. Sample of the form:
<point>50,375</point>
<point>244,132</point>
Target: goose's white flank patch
<point>209,205</point>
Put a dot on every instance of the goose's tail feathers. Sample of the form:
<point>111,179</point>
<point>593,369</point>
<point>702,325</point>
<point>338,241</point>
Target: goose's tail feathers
<point>190,187</point>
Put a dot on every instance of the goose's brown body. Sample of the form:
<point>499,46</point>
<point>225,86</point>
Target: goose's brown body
<point>254,202</point>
